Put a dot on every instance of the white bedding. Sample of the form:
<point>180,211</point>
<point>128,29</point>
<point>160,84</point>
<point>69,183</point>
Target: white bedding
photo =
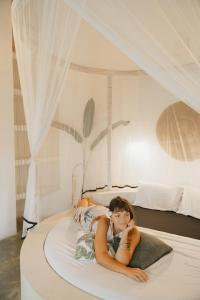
<point>174,277</point>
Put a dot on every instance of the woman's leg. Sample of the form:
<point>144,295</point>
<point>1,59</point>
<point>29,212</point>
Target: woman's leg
<point>81,209</point>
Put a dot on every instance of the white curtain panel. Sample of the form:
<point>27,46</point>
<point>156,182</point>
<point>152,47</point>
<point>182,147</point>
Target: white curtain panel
<point>44,32</point>
<point>161,36</point>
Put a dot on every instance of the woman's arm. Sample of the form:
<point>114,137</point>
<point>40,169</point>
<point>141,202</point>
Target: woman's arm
<point>107,261</point>
<point>129,241</point>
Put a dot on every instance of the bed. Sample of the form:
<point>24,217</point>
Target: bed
<point>175,276</point>
<point>55,274</point>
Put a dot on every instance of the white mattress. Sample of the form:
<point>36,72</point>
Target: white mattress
<point>174,277</point>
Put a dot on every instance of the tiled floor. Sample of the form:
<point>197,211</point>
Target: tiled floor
<point>9,268</point>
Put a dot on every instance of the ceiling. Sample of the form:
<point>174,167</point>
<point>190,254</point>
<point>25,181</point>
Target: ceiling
<point>93,50</point>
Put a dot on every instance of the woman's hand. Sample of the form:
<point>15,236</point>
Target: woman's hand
<point>131,226</point>
<point>137,274</point>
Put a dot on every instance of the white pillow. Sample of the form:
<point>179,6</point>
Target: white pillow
<point>159,196</point>
<point>190,204</point>
<point>104,197</point>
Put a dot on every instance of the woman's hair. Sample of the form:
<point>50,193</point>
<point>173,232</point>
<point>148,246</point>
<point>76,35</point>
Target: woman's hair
<point>121,204</point>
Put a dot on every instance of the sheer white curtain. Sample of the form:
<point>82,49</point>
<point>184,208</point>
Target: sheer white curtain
<point>44,32</point>
<point>161,36</point>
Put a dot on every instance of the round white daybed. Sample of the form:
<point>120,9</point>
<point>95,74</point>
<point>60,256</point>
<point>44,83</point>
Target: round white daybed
<point>38,279</point>
<point>49,251</point>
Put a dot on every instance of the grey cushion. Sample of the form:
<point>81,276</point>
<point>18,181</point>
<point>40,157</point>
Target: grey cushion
<point>149,250</point>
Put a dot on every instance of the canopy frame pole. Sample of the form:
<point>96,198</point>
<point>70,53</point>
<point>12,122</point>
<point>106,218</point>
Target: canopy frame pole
<point>109,136</point>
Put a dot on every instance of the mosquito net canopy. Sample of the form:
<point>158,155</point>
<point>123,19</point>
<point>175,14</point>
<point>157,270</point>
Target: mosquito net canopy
<point>111,96</point>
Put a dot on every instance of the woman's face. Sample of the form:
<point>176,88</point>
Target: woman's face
<point>120,219</point>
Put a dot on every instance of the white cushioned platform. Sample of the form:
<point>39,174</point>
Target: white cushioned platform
<point>175,276</point>
<point>38,280</point>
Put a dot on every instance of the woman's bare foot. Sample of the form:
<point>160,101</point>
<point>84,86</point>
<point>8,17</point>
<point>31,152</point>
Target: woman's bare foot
<point>85,202</point>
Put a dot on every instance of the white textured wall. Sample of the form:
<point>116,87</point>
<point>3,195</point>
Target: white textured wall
<point>136,152</point>
<point>7,170</point>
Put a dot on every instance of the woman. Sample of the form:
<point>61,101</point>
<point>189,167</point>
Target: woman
<point>117,220</point>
